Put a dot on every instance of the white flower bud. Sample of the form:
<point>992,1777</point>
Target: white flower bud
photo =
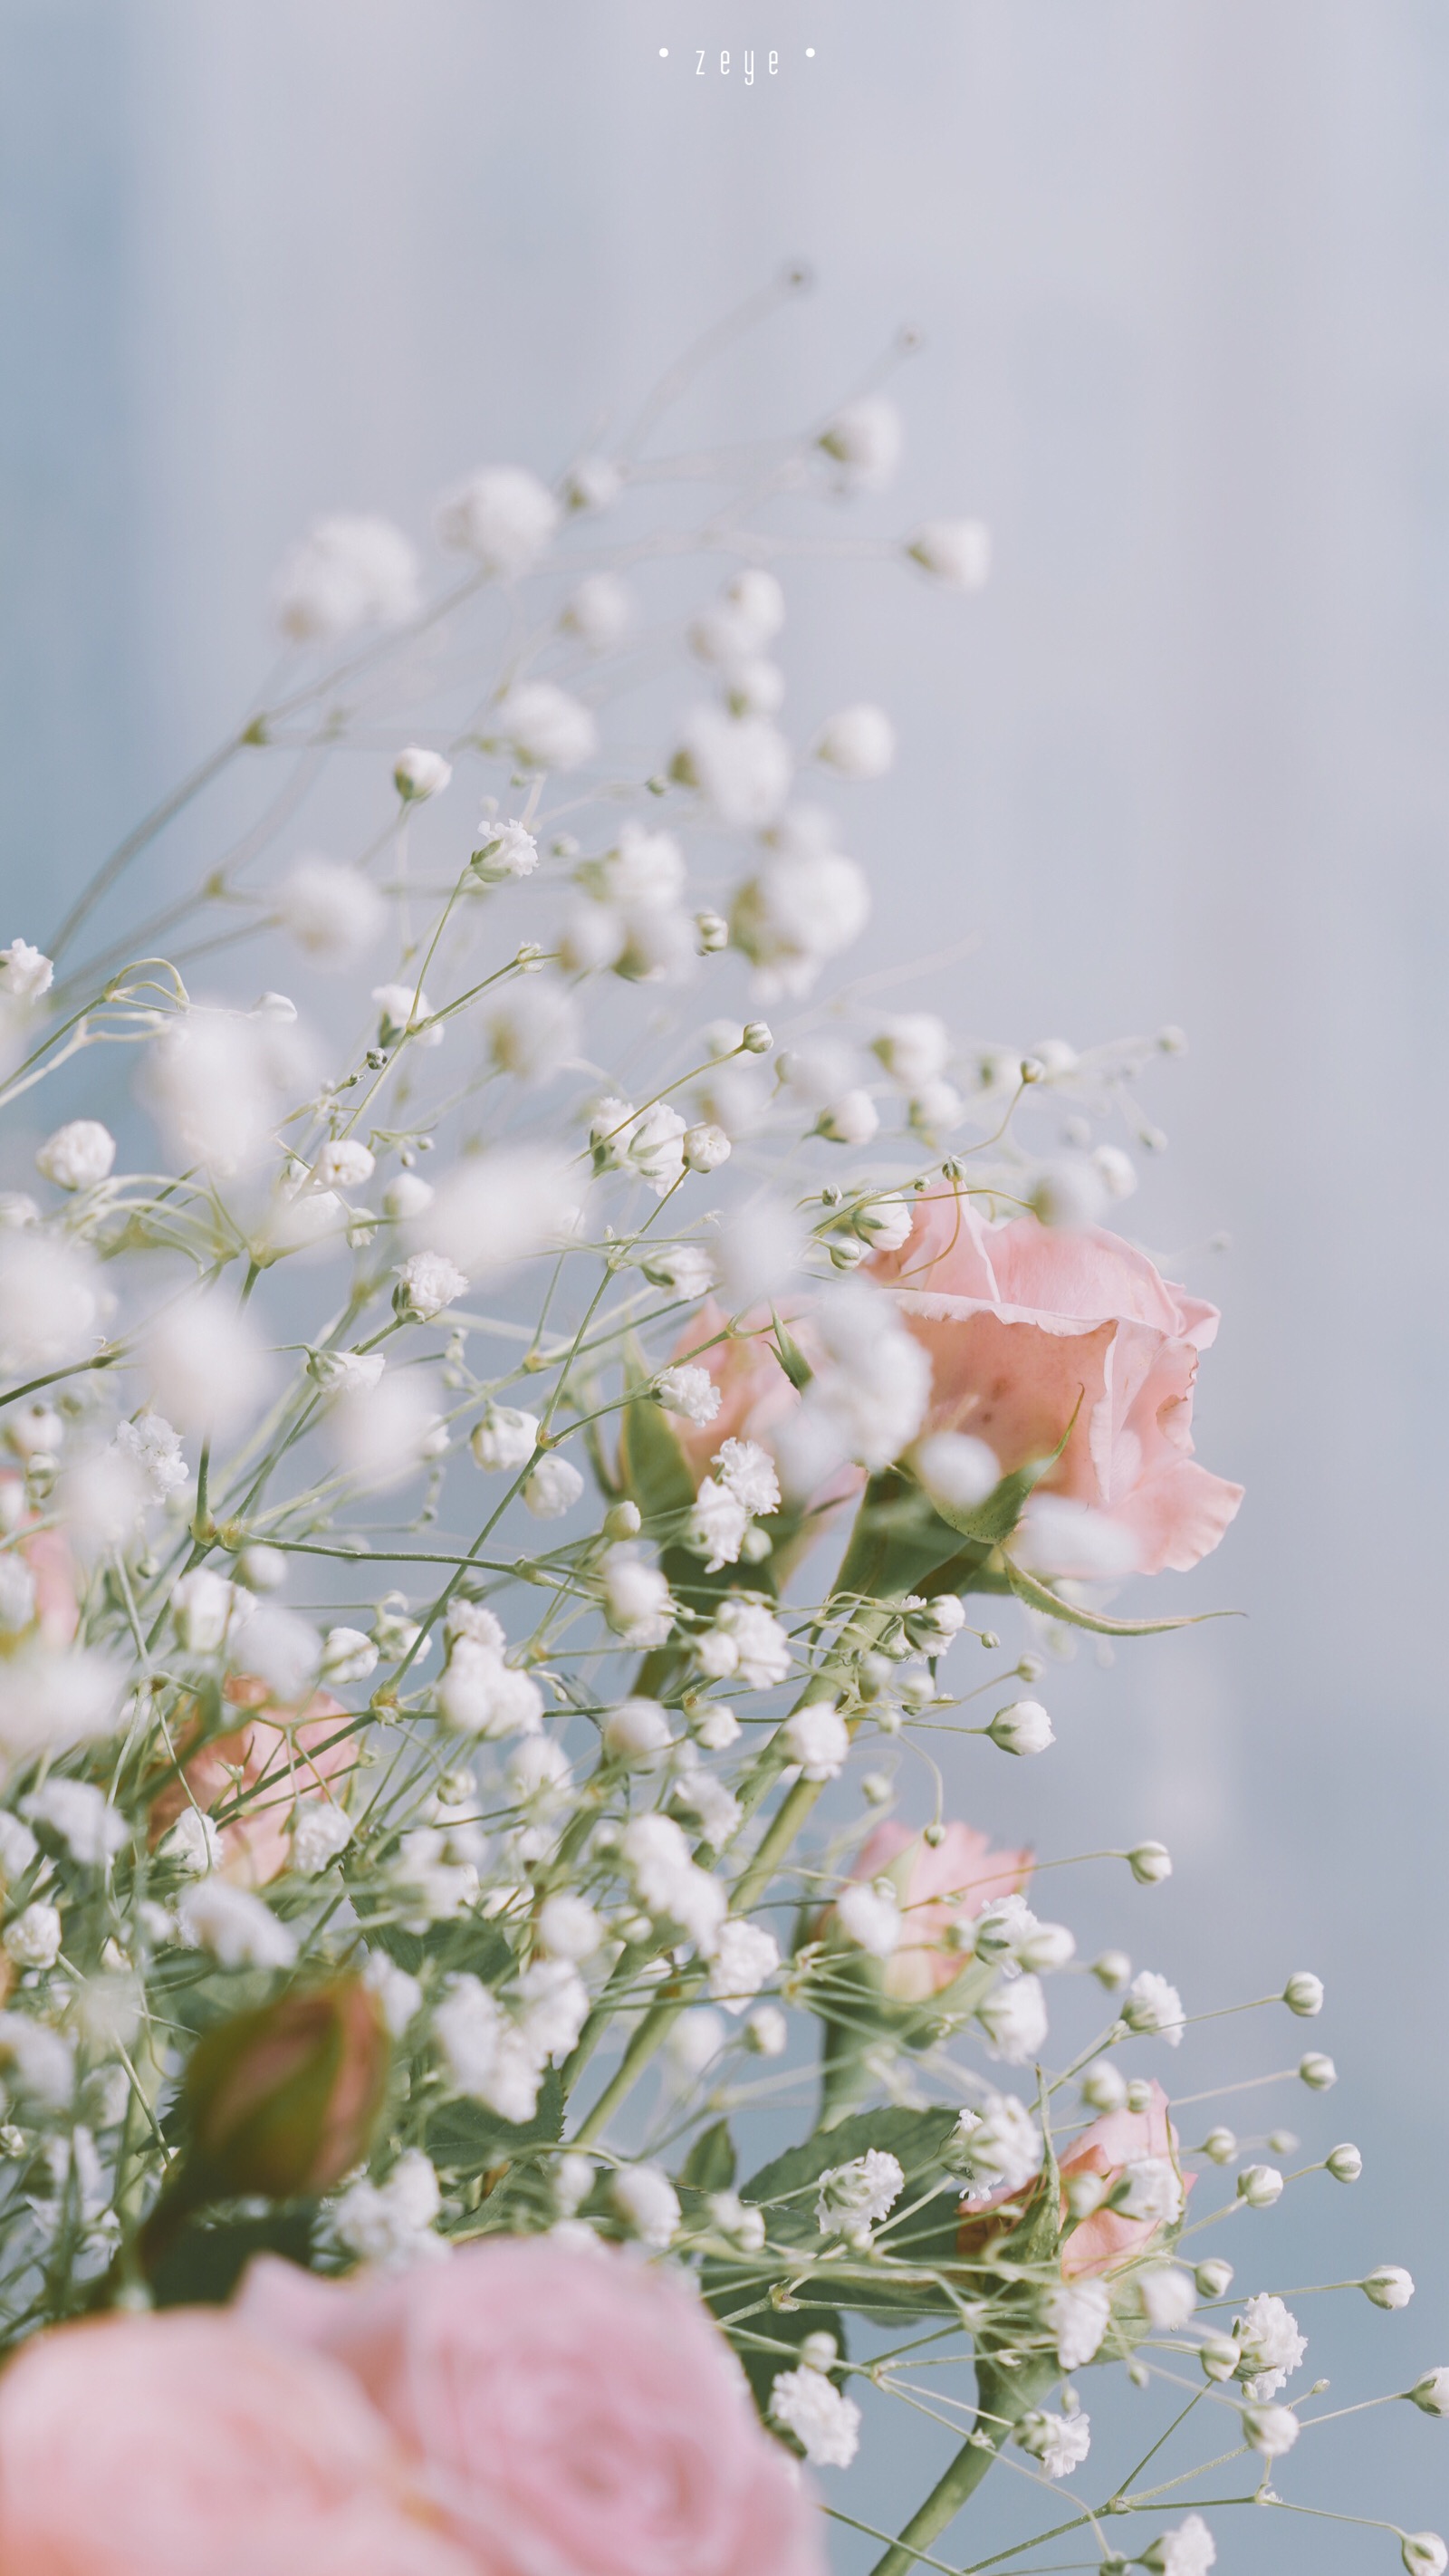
<point>1023,1727</point>
<point>78,1156</point>
<point>553,1488</point>
<point>1317,2071</point>
<point>262,1569</point>
<point>573,2180</point>
<point>767,2032</point>
<point>1047,1947</point>
<point>1431,2393</point>
<point>1219,2356</point>
<point>1304,1994</point>
<point>1273,2430</point>
<point>1085,2192</point>
<point>1260,2186</point>
<point>1390,2286</point>
<point>818,1739</point>
<point>705,1148</point>
<point>851,1120</point>
<point>33,1939</point>
<point>954,551</point>
<point>1214,2278</point>
<point>1150,1863</point>
<point>636,1731</point>
<point>1424,2553</point>
<point>1112,1969</point>
<point>1344,2163</point>
<point>859,742</point>
<point>756,1038</point>
<point>865,437</point>
<point>418,774</point>
<point>956,1471</point>
<point>1104,2089</point>
<point>1221,2145</point>
<point>407,1196</point>
<point>646,2200</point>
<point>1068,1197</point>
<point>502,515</point>
<point>1168,2295</point>
<point>1115,1170</point>
<point>870,1916</point>
<point>505,1438</point>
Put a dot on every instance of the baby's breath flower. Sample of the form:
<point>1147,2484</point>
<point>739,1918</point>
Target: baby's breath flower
<point>429,1282</point>
<point>235,1926</point>
<point>870,1916</point>
<point>1190,2550</point>
<point>648,2203</point>
<point>818,1739</point>
<point>33,1937</point>
<point>553,1488</point>
<point>998,2147</point>
<point>392,2223</point>
<point>334,914</point>
<point>78,1156</point>
<point>24,973</point>
<point>746,1957</point>
<point>860,2193</point>
<point>688,1391</point>
<point>1077,2314</point>
<point>1152,2005</point>
<point>1273,2430</point>
<point>346,573</point>
<point>825,2423</point>
<point>1059,2443</point>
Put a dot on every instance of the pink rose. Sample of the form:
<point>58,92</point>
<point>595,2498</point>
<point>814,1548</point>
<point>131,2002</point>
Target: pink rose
<point>172,2444</point>
<point>1106,2240</point>
<point>1120,2138</point>
<point>757,1399</point>
<point>1023,1324</point>
<point>282,1756</point>
<point>571,2410</point>
<point>938,1884</point>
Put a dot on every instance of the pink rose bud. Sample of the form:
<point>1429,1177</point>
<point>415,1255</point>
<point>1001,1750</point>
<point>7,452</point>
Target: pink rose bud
<point>281,2101</point>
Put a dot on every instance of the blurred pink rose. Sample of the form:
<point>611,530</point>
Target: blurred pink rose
<point>938,1885</point>
<point>1106,2240</point>
<point>573,2411</point>
<point>182,2445</point>
<point>282,1756</point>
<point>1021,1321</point>
<point>757,1399</point>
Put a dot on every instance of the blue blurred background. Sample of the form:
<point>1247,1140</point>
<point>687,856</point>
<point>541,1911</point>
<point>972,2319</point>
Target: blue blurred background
<point>1182,270</point>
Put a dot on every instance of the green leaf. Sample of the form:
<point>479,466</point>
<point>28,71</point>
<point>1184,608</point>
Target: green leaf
<point>710,2163</point>
<point>462,1946</point>
<point>652,1465</point>
<point>202,2267</point>
<point>916,2138</point>
<point>463,2138</point>
<point>1041,1597</point>
<point>897,1542</point>
<point>789,1354</point>
<point>740,2300</point>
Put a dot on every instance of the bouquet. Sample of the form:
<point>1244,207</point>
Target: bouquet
<point>514,1462</point>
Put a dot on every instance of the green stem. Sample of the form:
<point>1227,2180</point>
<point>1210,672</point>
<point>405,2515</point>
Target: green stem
<point>1002,2397</point>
